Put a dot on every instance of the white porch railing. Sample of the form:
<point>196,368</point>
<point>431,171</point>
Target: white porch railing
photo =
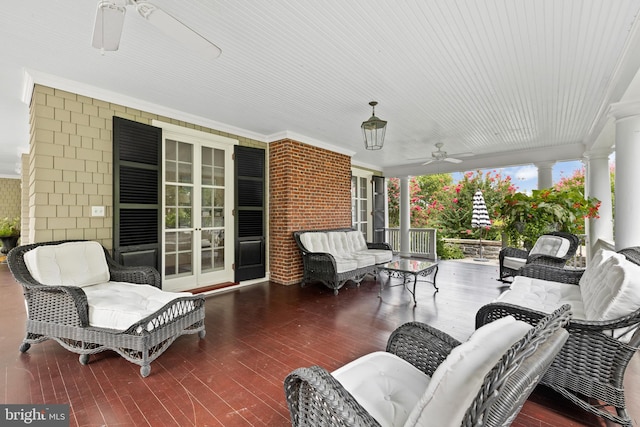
<point>422,241</point>
<point>422,244</point>
<point>580,258</point>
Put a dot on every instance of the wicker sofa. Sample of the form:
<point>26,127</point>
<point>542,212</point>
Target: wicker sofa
<point>426,377</point>
<point>336,256</point>
<point>604,333</point>
<point>77,295</point>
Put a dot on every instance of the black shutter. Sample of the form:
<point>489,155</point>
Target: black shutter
<point>379,211</point>
<point>137,175</point>
<point>249,213</point>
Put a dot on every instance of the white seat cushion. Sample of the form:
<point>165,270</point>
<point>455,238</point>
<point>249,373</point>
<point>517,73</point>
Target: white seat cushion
<point>363,259</point>
<point>514,263</point>
<point>456,382</point>
<point>387,386</point>
<point>380,256</point>
<point>68,264</point>
<point>117,305</point>
<point>543,295</point>
<point>345,264</point>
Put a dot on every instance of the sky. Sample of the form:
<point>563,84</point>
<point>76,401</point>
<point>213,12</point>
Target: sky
<point>525,178</point>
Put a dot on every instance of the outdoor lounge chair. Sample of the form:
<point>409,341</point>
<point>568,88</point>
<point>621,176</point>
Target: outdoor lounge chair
<point>554,249</point>
<point>77,295</point>
<point>426,377</point>
<point>604,332</point>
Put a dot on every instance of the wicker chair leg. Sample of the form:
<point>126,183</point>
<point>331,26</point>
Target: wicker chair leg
<point>84,359</point>
<point>145,370</point>
<point>359,278</point>
<point>621,418</point>
<point>24,347</point>
<point>201,334</point>
<point>505,273</point>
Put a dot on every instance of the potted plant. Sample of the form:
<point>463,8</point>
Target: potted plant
<point>9,233</point>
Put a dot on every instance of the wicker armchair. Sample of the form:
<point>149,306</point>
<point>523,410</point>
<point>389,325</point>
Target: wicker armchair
<point>316,397</point>
<point>589,371</point>
<point>61,313</point>
<point>512,259</point>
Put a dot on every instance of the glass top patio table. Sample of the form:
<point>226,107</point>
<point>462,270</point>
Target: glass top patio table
<point>404,268</point>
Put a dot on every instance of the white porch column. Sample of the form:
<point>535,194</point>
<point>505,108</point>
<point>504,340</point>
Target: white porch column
<point>405,217</point>
<point>598,185</point>
<point>627,229</point>
<point>545,175</point>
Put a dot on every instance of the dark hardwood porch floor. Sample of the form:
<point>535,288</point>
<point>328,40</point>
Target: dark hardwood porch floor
<point>255,336</point>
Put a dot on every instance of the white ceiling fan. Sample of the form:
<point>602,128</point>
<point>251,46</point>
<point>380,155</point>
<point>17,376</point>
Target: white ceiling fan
<point>107,29</point>
<point>441,156</point>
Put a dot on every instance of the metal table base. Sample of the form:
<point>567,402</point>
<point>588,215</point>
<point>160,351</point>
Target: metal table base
<point>404,269</point>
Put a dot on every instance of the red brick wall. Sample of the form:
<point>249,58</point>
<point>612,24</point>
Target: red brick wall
<point>310,189</point>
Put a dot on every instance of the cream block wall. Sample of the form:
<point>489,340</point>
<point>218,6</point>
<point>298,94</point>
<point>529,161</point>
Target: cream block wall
<point>10,196</point>
<point>70,164</point>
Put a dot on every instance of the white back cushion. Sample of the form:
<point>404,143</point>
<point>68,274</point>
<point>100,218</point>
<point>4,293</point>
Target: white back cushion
<point>591,279</point>
<point>615,292</point>
<point>337,243</point>
<point>68,264</point>
<point>551,245</point>
<point>315,242</point>
<point>358,241</point>
<point>456,382</point>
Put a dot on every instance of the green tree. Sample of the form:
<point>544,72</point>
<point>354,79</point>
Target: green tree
<point>393,199</point>
<point>435,201</point>
<point>576,181</point>
<point>418,194</point>
<point>430,184</point>
<point>450,207</point>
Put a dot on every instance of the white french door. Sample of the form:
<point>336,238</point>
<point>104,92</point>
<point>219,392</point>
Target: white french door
<point>360,202</point>
<point>197,213</point>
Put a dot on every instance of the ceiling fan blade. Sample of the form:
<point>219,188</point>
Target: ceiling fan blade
<point>452,160</point>
<point>177,30</point>
<point>107,28</point>
<point>428,161</point>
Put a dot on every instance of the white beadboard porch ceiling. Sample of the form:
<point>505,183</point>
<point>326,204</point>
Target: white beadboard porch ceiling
<point>510,81</point>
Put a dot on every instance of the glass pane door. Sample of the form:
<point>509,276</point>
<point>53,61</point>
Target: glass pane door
<point>359,204</point>
<point>198,202</point>
<point>212,210</point>
<point>178,226</point>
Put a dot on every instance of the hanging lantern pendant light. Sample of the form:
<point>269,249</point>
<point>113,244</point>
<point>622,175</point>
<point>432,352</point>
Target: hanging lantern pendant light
<point>373,130</point>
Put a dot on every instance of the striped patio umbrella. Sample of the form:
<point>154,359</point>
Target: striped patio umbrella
<point>480,218</point>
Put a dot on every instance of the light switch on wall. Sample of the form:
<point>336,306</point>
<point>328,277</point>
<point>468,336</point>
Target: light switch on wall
<point>97,210</point>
